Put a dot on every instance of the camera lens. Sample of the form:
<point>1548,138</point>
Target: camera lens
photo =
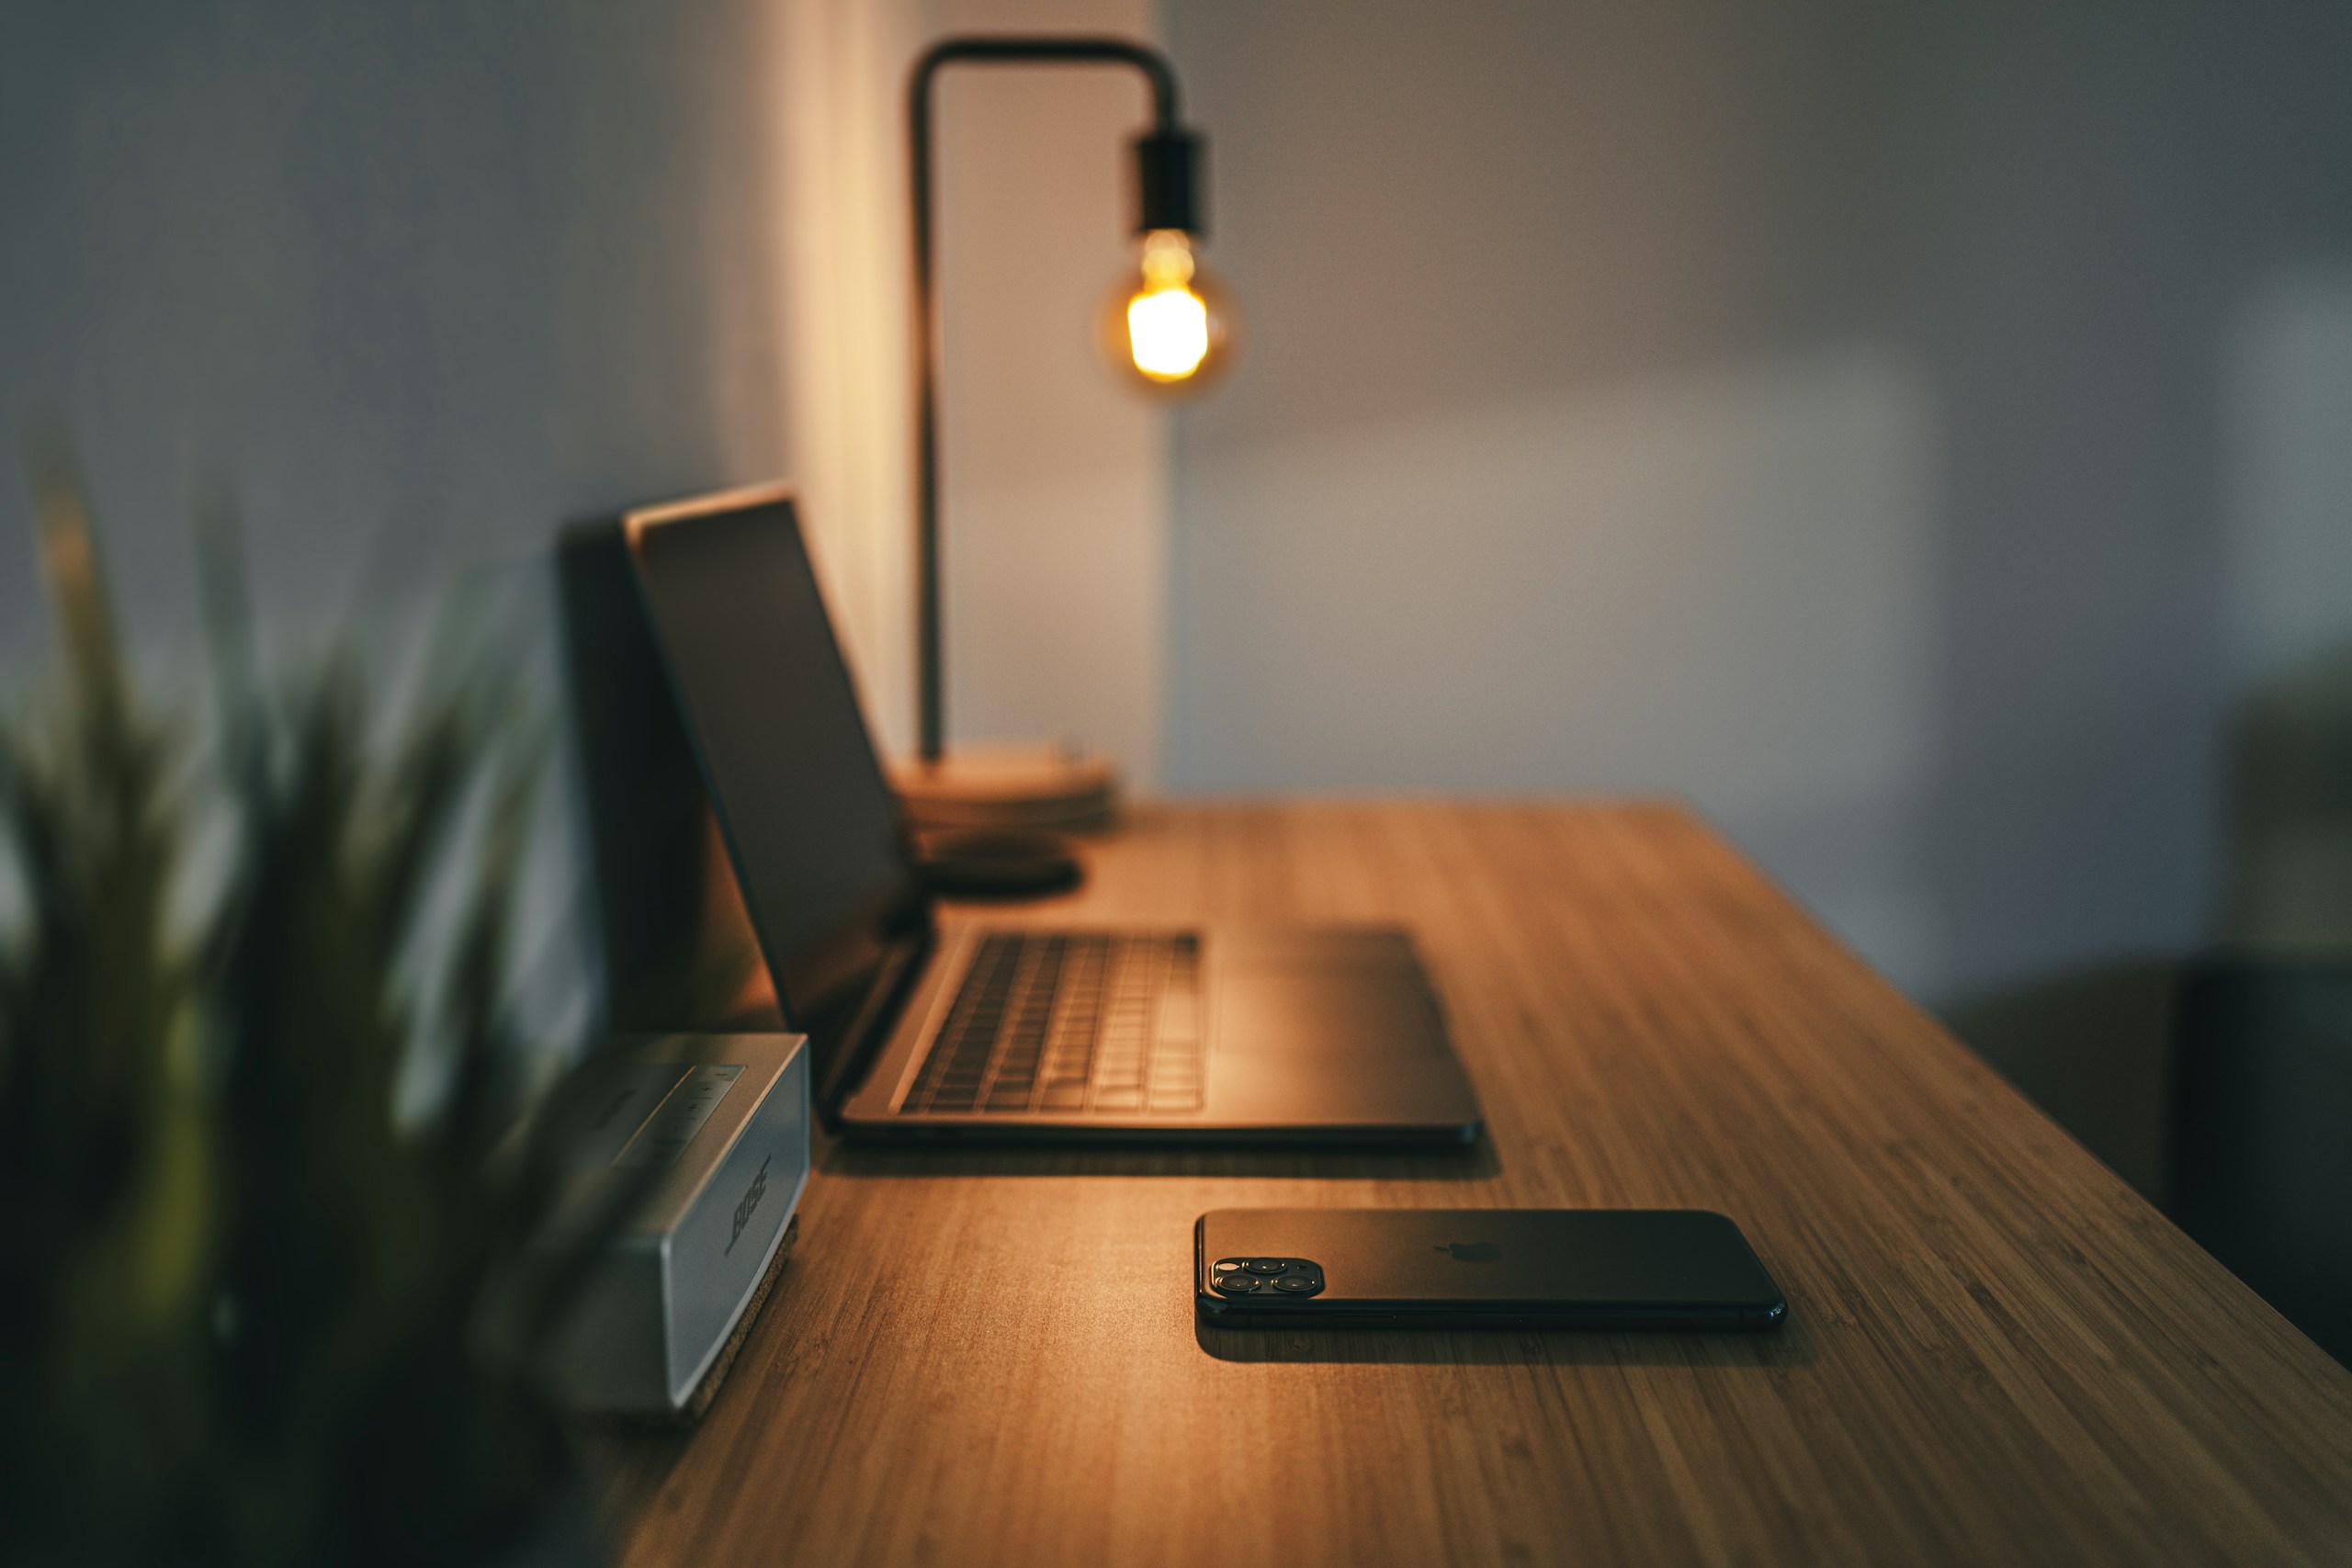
<point>1267,1264</point>
<point>1237,1284</point>
<point>1298,1284</point>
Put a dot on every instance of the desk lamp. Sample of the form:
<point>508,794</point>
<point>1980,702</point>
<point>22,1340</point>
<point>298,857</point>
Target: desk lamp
<point>1169,330</point>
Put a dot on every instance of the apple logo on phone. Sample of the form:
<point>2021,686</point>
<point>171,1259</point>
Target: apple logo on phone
<point>1473,1251</point>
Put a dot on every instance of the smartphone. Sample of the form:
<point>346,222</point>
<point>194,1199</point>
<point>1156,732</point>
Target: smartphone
<point>1479,1268</point>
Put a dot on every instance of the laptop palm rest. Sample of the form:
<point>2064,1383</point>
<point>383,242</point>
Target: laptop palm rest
<point>1345,1015</point>
<point>1343,992</point>
<point>1343,1053</point>
<point>1332,1028</point>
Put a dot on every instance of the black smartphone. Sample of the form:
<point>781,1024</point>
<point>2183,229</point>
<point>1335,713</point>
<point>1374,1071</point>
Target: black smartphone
<point>1479,1268</point>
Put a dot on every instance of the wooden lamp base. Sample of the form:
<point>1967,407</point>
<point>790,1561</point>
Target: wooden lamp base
<point>1046,788</point>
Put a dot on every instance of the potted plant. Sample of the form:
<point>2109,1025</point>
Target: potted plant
<point>236,1306</point>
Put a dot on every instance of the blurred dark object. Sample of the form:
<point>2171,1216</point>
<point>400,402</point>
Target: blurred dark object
<point>2290,879</point>
<point>2092,1048</point>
<point>2262,1131</point>
<point>996,863</point>
<point>236,1305</point>
<point>679,951</point>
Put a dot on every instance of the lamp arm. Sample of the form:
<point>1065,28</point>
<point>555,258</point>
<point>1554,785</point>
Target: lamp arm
<point>1167,162</point>
<point>1050,51</point>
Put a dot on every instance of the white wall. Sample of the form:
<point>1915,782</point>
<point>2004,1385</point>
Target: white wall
<point>1054,475</point>
<point>414,288</point>
<point>1053,478</point>
<point>1881,426</point>
<point>844,280</point>
<point>413,285</point>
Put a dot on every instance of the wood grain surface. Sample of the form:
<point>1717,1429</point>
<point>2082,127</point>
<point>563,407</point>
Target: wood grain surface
<point>1997,1351</point>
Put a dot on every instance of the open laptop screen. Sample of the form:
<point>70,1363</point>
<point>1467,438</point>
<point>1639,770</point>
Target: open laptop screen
<point>808,818</point>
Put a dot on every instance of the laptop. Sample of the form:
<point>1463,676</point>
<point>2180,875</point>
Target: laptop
<point>971,1029</point>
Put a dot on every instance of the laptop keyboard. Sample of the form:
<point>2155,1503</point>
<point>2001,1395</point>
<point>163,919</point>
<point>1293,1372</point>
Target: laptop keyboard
<point>1072,1023</point>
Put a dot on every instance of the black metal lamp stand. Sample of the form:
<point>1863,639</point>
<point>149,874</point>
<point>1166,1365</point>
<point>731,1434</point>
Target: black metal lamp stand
<point>1168,160</point>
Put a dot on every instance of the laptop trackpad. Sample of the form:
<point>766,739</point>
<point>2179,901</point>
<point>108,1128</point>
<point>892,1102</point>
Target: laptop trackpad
<point>1308,1011</point>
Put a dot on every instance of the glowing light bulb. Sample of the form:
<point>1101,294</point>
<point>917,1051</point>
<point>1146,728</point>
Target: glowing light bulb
<point>1168,333</point>
<point>1169,328</point>
<point>1167,324</point>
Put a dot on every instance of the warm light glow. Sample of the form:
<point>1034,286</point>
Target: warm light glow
<point>1171,330</point>
<point>1168,333</point>
<point>1167,324</point>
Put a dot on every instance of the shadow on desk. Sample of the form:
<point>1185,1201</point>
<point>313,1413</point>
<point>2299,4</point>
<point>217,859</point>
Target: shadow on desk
<point>1788,1345</point>
<point>1339,1162</point>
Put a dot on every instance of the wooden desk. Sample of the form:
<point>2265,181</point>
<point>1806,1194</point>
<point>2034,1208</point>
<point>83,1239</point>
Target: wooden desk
<point>1997,1352</point>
